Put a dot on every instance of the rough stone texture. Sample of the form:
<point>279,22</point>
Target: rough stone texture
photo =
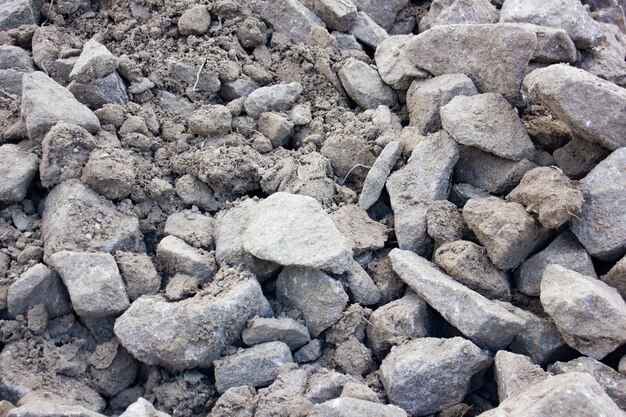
<point>286,330</point>
<point>616,277</point>
<point>194,192</point>
<point>461,193</point>
<point>50,408</point>
<point>514,373</point>
<point>364,85</point>
<point>393,66</point>
<point>278,97</point>
<point>291,18</point>
<point>345,152</point>
<point>367,31</point>
<point>255,367</point>
<point>553,44</point>
<point>93,282</point>
<point>96,94</point>
<point>445,223</point>
<point>38,285</point>
<point>607,59</point>
<point>601,226</point>
<point>352,407</point>
<point>469,264</point>
<point>363,233</point>
<point>176,256</point>
<point>391,287</point>
<point>17,170</point>
<point>382,12</point>
<point>488,122</point>
<point>194,228</point>
<point>211,120</point>
<point>276,127</point>
<point>142,408</point>
<point>360,286</point>
<point>378,174</point>
<point>320,298</point>
<point>15,57</point>
<point>194,21</point>
<point>338,14</point>
<point>566,14</point>
<point>444,50</point>
<point>45,103</point>
<point>481,320</point>
<point>565,250</point>
<point>578,157</point>
<point>426,97</point>
<point>427,375</point>
<point>15,13</point>
<point>294,230</point>
<point>139,274</point>
<point>309,352</point>
<point>452,12</point>
<point>567,91</point>
<point>94,62</point>
<point>590,315</point>
<point>193,332</point>
<point>108,172</point>
<point>11,81</point>
<point>506,230</point>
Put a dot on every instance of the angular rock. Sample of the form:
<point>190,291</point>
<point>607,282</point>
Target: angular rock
<point>616,277</point>
<point>383,12</point>
<point>15,13</point>
<point>291,18</point>
<point>590,315</point>
<point>15,57</point>
<point>353,358</point>
<point>364,85</point>
<point>367,31</point>
<point>363,233</point>
<point>17,170</point>
<point>578,157</point>
<point>607,59</point>
<point>481,320</point>
<point>349,155</point>
<point>193,332</point>
<point>95,62</point>
<point>108,90</point>
<point>181,286</point>
<point>194,21</point>
<point>211,120</point>
<point>454,12</point>
<point>461,193</point>
<point>194,192</point>
<point>360,286</point>
<point>427,375</point>
<point>111,368</point>
<point>352,407</point>
<point>176,256</point>
<point>393,66</point>
<point>108,171</point>
<point>278,97</point>
<point>277,128</point>
<point>142,408</point>
<point>514,373</point>
<point>309,352</point>
<point>286,330</point>
<point>194,228</point>
<point>11,81</point>
<point>139,274</point>
<point>338,14</point>
<point>50,408</point>
<point>38,285</point>
<point>553,44</point>
<point>378,174</point>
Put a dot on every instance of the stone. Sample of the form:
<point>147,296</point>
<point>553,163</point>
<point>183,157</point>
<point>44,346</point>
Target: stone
<point>601,226</point>
<point>393,66</point>
<point>350,155</point>
<point>427,375</point>
<point>360,286</point>
<point>252,33</point>
<point>38,285</point>
<point>239,88</point>
<point>111,368</point>
<point>483,321</point>
<point>364,85</point>
<point>142,408</point>
<point>616,277</point>
<point>309,352</point>
<point>291,18</point>
<point>108,90</point>
<point>353,358</point>
<point>301,114</point>
<point>194,192</point>
<point>139,274</point>
<point>566,251</point>
<point>444,50</point>
<point>469,264</point>
<point>383,12</point>
<point>45,103</point>
<point>347,42</point>
<point>109,172</point>
<point>337,14</point>
<point>210,120</point>
<point>359,391</point>
<point>194,21</point>
<point>94,62</point>
<point>506,230</point>
<point>194,228</point>
<point>15,57</point>
<point>578,156</point>
<point>514,373</point>
<point>236,401</point>
<point>566,92</point>
<point>277,128</point>
<point>425,98</point>
<point>294,230</point>
<point>553,44</point>
<point>320,298</point>
<point>454,12</point>
<point>279,97</point>
<point>607,59</point>
<point>589,314</point>
<point>363,233</point>
<point>93,282</point>
<point>569,15</point>
<point>11,81</point>
<point>176,256</point>
<point>461,193</point>
<point>488,122</point>
<point>193,332</point>
<point>444,223</point>
<point>17,170</point>
<point>352,407</point>
<point>255,367</point>
<point>378,174</point>
<point>181,286</point>
<point>286,330</point>
<point>43,408</point>
<point>367,31</point>
<point>16,13</point>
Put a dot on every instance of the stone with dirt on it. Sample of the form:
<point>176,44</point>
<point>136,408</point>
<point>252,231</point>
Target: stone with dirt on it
<point>383,12</point>
<point>194,228</point>
<point>108,172</point>
<point>350,156</point>
<point>367,31</point>
<point>210,120</point>
<point>279,97</point>
<point>338,14</point>
<point>553,44</point>
<point>456,12</point>
<point>139,274</point>
<point>17,170</point>
<point>353,358</point>
<point>291,18</point>
<point>444,223</point>
<point>353,407</point>
<point>616,277</point>
<point>194,21</point>
<point>16,13</point>
<point>393,66</point>
<point>95,62</point>
<point>276,127</point>
<point>578,156</point>
<point>364,85</point>
<point>194,192</point>
<point>514,373</point>
<point>142,408</point>
<point>363,233</point>
<point>38,285</point>
<point>360,286</point>
<point>378,174</point>
<point>50,407</point>
<point>15,57</point>
<point>98,93</point>
<point>176,256</point>
<point>286,330</point>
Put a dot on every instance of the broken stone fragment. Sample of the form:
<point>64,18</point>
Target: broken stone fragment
<point>616,277</point>
<point>367,30</point>
<point>17,170</point>
<point>194,228</point>
<point>38,285</point>
<point>15,13</point>
<point>393,66</point>
<point>139,274</point>
<point>95,62</point>
<point>454,12</point>
<point>352,407</point>
<point>280,97</point>
<point>578,156</point>
<point>364,85</point>
<point>142,408</point>
<point>363,233</point>
<point>210,120</point>
<point>194,21</point>
<point>383,12</point>
<point>109,172</point>
<point>176,256</point>
<point>292,18</point>
<point>378,174</point>
<point>286,330</point>
<point>360,286</point>
<point>514,373</point>
<point>309,352</point>
<point>338,14</point>
<point>95,94</point>
<point>194,192</point>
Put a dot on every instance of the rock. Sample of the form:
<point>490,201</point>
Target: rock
<point>578,157</point>
<point>108,171</point>
<point>11,81</point>
<point>139,274</point>
<point>176,256</point>
<point>574,394</point>
<point>383,12</point>
<point>454,12</point>
<point>256,366</point>
<point>309,352</point>
<point>15,57</point>
<point>181,286</point>
<point>349,155</point>
<point>613,383</point>
<point>142,408</point>
<point>17,170</point>
<point>514,373</point>
<point>566,251</point>
<point>483,321</point>
<point>589,314</point>
<point>38,285</point>
<point>601,226</point>
<point>194,21</point>
<point>286,330</point>
<point>280,97</point>
<point>320,298</point>
<point>553,44</point>
<point>93,282</point>
<point>378,174</point>
<point>325,385</point>
<point>15,13</point>
<point>443,50</point>
<point>461,193</point>
<point>347,42</point>
<point>192,332</point>
<point>425,177</point>
<point>393,66</point>
<point>414,374</point>
<point>616,277</point>
<point>338,14</point>
<point>291,18</point>
<point>444,222</point>
<point>488,122</point>
<point>506,230</point>
<point>252,33</point>
<point>353,358</point>
<point>359,391</point>
<point>363,233</point>
<point>108,90</point>
<point>45,103</point>
<point>235,401</point>
<point>111,369</point>
<point>277,128</point>
<point>301,114</point>
<point>360,286</point>
<point>364,85</point>
<point>194,228</point>
<point>43,408</point>
<point>569,15</point>
<point>567,91</point>
<point>469,264</point>
<point>367,31</point>
<point>94,62</point>
<point>607,59</point>
<point>294,230</point>
<point>352,407</point>
<point>194,192</point>
<point>210,120</point>
<point>426,97</point>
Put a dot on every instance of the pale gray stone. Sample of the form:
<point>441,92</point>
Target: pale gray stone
<point>38,285</point>
<point>292,18</point>
<point>378,174</point>
<point>278,97</point>
<point>194,228</point>
<point>142,408</point>
<point>95,94</point>
<point>194,21</point>
<point>352,407</point>
<point>514,373</point>
<point>364,85</point>
<point>176,256</point>
<point>363,233</point>
<point>338,14</point>
<point>383,12</point>
<point>139,274</point>
<point>17,170</point>
<point>393,66</point>
<point>454,12</point>
<point>367,31</point>
<point>95,62</point>
<point>286,330</point>
<point>15,13</point>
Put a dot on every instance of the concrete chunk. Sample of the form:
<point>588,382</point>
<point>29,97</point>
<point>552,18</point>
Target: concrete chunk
<point>17,170</point>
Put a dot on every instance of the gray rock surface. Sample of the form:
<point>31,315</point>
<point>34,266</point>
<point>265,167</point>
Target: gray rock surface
<point>95,62</point>
<point>11,81</point>
<point>286,330</point>
<point>383,12</point>
<point>454,12</point>
<point>210,120</point>
<point>194,21</point>
<point>176,256</point>
<point>367,31</point>
<point>17,170</point>
<point>363,233</point>
<point>291,18</point>
<point>194,228</point>
<point>108,90</point>
<point>360,286</point>
<point>15,13</point>
<point>364,85</point>
<point>139,274</point>
<point>514,373</point>
<point>616,277</point>
<point>50,408</point>
<point>276,127</point>
<point>273,98</point>
<point>194,192</point>
<point>352,407</point>
<point>142,408</point>
<point>309,352</point>
<point>38,285</point>
<point>553,44</point>
<point>578,156</point>
<point>15,57</point>
<point>461,193</point>
<point>337,14</point>
<point>393,66</point>
<point>378,174</point>
<point>108,172</point>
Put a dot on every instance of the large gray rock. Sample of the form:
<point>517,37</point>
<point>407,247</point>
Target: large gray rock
<point>483,321</point>
<point>291,18</point>
<point>139,274</point>
<point>472,50</point>
<point>45,103</point>
<point>616,277</point>
<point>360,286</point>
<point>194,228</point>
<point>255,367</point>
<point>382,12</point>
<point>363,233</point>
<point>590,315</point>
<point>15,57</point>
<point>38,285</point>
<point>289,229</point>
<point>278,97</point>
<point>353,407</point>
<point>514,373</point>
<point>364,85</point>
<point>368,31</point>
<point>578,157</point>
<point>93,282</point>
<point>17,170</point>
<point>176,256</point>
<point>454,12</point>
<point>338,14</point>
<point>94,62</point>
<point>378,174</point>
<point>567,92</point>
<point>601,226</point>
<point>193,332</point>
<point>553,44</point>
<point>427,375</point>
<point>108,90</point>
<point>286,330</point>
<point>15,13</point>
<point>488,122</point>
<point>393,66</point>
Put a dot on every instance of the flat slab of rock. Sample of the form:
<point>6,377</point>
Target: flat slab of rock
<point>488,122</point>
<point>393,66</point>
<point>364,85</point>
<point>454,12</point>
<point>353,407</point>
<point>481,320</point>
<point>286,330</point>
<point>278,97</point>
<point>363,233</point>
<point>378,174</point>
<point>176,256</point>
<point>17,170</point>
<point>291,18</point>
<point>415,373</point>
<point>590,106</point>
<point>367,31</point>
<point>514,373</point>
<point>590,315</point>
<point>338,14</point>
<point>290,229</point>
